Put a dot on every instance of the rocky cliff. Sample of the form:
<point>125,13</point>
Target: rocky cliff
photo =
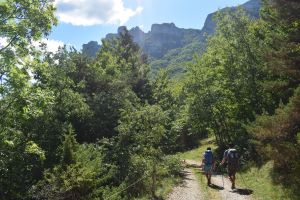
<point>166,40</point>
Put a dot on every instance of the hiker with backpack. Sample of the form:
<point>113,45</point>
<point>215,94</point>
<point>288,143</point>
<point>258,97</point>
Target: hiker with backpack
<point>232,157</point>
<point>208,164</point>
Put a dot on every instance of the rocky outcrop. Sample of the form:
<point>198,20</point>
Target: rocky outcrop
<point>161,39</point>
<point>90,49</point>
<point>251,7</point>
<point>138,36</point>
<point>165,39</point>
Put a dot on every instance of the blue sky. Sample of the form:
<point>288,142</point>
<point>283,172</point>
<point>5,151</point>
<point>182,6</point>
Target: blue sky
<point>81,21</point>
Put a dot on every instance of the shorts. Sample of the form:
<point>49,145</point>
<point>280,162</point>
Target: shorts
<point>207,168</point>
<point>231,169</point>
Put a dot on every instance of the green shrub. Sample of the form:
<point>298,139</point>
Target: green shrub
<point>88,178</point>
<point>173,165</point>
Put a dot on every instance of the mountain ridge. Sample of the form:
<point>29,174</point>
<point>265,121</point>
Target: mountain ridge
<point>166,40</point>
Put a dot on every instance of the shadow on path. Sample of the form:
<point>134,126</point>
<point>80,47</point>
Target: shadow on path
<point>243,191</point>
<point>216,187</point>
<point>193,166</point>
<point>185,177</point>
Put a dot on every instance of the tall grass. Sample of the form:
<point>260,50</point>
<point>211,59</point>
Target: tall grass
<point>260,181</point>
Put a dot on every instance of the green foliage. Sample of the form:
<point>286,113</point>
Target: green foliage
<point>169,93</point>
<point>266,189</point>
<point>69,148</point>
<point>21,23</point>
<point>20,165</point>
<point>33,148</point>
<point>173,164</point>
<point>225,84</point>
<point>277,136</point>
<point>82,179</point>
<point>143,128</point>
<point>130,63</point>
<point>53,104</point>
<point>175,60</point>
<point>249,67</point>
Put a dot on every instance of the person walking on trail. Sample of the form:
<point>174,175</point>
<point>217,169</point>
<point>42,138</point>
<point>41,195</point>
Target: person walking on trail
<point>232,157</point>
<point>208,163</point>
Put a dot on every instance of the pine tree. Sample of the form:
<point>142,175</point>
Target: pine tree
<point>69,147</point>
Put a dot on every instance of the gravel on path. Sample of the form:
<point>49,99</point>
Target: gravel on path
<point>227,193</point>
<point>189,189</point>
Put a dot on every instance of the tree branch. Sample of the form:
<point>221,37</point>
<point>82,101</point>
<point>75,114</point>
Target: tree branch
<point>14,38</point>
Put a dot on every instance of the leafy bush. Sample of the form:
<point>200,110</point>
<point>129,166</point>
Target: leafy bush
<point>173,165</point>
<point>84,179</point>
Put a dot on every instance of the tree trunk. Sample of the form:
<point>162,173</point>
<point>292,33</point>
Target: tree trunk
<point>153,188</point>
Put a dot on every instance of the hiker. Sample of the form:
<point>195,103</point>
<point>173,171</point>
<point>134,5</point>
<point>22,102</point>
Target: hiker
<point>208,163</point>
<point>232,158</point>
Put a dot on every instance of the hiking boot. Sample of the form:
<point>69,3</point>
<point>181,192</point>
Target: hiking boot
<point>208,182</point>
<point>232,187</point>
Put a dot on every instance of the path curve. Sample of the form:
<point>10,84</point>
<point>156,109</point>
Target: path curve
<point>189,189</point>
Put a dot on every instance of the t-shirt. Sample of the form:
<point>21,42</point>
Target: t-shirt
<point>225,155</point>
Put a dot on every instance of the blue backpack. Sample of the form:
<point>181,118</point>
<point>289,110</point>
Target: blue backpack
<point>208,156</point>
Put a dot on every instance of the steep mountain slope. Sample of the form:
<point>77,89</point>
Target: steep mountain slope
<point>161,38</point>
<point>169,46</point>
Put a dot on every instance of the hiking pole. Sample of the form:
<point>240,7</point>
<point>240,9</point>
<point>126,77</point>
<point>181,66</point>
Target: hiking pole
<point>222,176</point>
<point>222,179</point>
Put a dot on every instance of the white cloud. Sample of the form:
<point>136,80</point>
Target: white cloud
<point>52,45</point>
<point>92,12</point>
<point>3,42</point>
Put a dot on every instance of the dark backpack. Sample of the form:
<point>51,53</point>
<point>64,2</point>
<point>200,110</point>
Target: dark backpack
<point>232,157</point>
<point>208,156</point>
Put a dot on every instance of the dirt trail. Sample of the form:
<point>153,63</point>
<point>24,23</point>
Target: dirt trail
<point>190,189</point>
<point>227,192</point>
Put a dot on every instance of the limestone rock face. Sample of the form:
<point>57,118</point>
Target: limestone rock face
<point>161,39</point>
<point>252,8</point>
<point>166,40</point>
<point>90,49</point>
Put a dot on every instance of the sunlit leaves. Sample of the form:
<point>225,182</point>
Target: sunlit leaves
<point>225,83</point>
